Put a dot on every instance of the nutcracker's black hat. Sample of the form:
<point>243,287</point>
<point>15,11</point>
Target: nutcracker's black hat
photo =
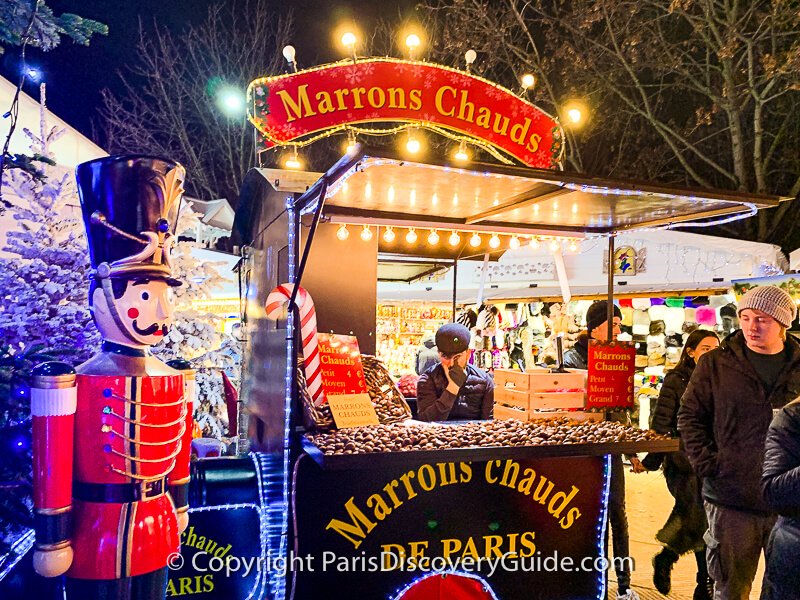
<point>130,210</point>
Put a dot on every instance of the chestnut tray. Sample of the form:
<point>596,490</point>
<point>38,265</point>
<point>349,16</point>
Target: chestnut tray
<point>377,460</point>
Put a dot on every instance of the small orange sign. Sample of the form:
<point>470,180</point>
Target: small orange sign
<point>352,410</point>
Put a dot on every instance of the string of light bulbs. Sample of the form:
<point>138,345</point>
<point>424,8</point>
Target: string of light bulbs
<point>475,238</point>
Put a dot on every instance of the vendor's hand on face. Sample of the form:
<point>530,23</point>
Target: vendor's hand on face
<point>454,369</point>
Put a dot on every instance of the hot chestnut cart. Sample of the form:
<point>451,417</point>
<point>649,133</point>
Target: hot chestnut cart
<point>453,515</point>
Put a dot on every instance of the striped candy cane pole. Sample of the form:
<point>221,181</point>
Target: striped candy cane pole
<point>308,332</point>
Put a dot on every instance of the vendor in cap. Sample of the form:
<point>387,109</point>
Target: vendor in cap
<point>454,390</point>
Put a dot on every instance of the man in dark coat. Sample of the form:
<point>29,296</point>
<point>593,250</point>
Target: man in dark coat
<point>723,421</point>
<point>454,390</point>
<point>781,487</point>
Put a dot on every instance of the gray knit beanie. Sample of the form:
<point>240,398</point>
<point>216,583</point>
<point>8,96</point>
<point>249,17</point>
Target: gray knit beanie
<point>772,300</point>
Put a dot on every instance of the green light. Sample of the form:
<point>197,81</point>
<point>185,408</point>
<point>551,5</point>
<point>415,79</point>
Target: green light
<point>231,101</point>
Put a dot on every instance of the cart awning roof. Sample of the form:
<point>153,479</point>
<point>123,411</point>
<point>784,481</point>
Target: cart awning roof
<point>376,187</point>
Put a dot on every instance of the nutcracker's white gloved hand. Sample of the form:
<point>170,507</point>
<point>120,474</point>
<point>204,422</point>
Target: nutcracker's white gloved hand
<point>52,563</point>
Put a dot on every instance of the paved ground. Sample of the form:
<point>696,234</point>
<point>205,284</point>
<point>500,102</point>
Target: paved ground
<point>649,503</point>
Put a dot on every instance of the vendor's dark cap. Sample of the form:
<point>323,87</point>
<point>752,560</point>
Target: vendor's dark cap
<point>597,314</point>
<point>452,338</point>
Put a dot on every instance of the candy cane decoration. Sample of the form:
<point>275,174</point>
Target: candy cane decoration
<point>308,332</point>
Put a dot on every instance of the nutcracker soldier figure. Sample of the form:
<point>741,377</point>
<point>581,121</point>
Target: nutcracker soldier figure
<point>112,438</point>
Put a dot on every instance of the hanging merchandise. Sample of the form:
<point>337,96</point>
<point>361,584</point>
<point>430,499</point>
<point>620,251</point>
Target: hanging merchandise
<point>673,319</point>
<point>627,316</point>
<point>467,317</point>
<point>729,317</point>
<point>706,316</point>
<point>641,322</point>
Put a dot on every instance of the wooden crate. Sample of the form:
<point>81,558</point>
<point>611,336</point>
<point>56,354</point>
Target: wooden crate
<point>541,380</point>
<point>509,379</point>
<point>518,394</point>
<point>556,400</point>
<point>509,412</point>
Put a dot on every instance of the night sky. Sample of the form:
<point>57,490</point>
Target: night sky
<point>75,74</point>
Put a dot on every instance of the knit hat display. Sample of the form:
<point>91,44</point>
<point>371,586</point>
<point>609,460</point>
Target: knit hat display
<point>627,315</point>
<point>706,315</point>
<point>772,300</point>
<point>597,314</point>
<point>658,312</point>
<point>718,301</point>
<point>641,322</point>
<point>674,319</point>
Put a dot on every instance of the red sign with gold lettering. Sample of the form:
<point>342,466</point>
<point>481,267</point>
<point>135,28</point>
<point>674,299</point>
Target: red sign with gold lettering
<point>328,98</point>
<point>342,371</point>
<point>610,380</point>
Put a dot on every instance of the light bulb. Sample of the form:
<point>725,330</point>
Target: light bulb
<point>454,239</point>
<point>342,233</point>
<point>494,241</point>
<point>289,53</point>
<point>461,154</point>
<point>366,233</point>
<point>470,56</point>
<point>528,80</point>
<point>513,243</point>
<point>411,236</point>
<point>412,145</point>
<point>534,243</point>
<point>574,115</point>
<point>350,148</point>
<point>573,246</point>
<point>293,161</point>
<point>349,39</point>
<point>412,41</point>
<point>388,235</point>
<point>554,245</point>
<point>475,240</point>
<point>433,237</point>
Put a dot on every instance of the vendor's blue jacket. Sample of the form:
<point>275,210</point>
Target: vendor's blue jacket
<point>475,399</point>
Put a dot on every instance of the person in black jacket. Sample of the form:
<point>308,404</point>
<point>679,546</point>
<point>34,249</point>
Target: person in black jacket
<point>723,421</point>
<point>780,485</point>
<point>577,357</point>
<point>454,390</point>
<point>686,524</point>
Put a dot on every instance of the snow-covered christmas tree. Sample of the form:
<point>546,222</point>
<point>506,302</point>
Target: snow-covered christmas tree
<point>43,283</point>
<point>44,313</point>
